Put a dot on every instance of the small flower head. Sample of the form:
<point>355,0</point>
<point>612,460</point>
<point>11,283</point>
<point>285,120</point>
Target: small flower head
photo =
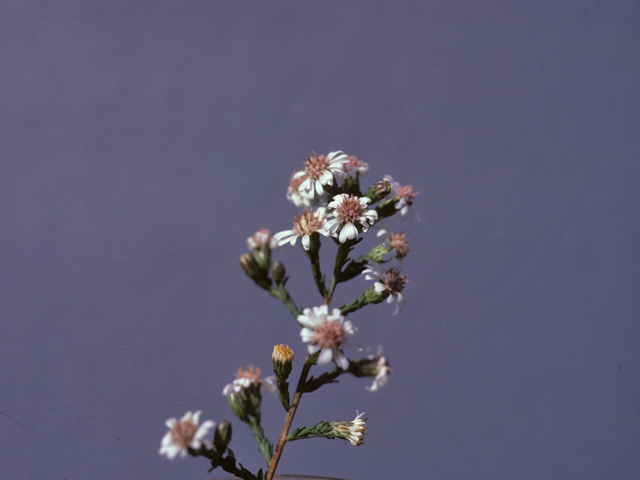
<point>262,239</point>
<point>247,378</point>
<point>244,394</point>
<point>396,241</point>
<point>326,333</point>
<point>404,196</point>
<point>320,170</point>
<point>222,436</point>
<point>282,354</point>
<point>184,434</point>
<point>348,213</point>
<point>382,371</point>
<point>389,285</point>
<point>293,191</point>
<point>306,224</point>
<point>378,191</point>
<point>354,166</point>
<point>282,357</point>
<point>256,267</point>
<point>352,432</point>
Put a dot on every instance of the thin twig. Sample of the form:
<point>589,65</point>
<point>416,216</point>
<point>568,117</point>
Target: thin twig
<point>288,419</point>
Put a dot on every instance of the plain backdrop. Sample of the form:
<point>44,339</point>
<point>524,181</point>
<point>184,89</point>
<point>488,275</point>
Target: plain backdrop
<point>142,142</point>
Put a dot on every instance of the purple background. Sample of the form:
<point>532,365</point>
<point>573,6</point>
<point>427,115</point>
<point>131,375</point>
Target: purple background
<point>142,142</point>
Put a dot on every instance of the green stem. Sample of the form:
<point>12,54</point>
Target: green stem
<point>341,258</point>
<point>273,464</point>
<point>280,292</point>
<point>265,447</point>
<point>314,259</point>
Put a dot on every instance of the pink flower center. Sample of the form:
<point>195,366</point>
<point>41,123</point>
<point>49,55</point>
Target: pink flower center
<point>330,335</point>
<point>350,210</point>
<point>261,238</point>
<point>316,165</point>
<point>352,165</point>
<point>306,223</point>
<point>182,433</point>
<point>407,194</point>
<point>399,243</point>
<point>251,373</point>
<point>395,282</point>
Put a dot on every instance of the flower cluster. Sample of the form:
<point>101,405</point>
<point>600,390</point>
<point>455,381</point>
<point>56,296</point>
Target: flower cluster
<point>331,204</point>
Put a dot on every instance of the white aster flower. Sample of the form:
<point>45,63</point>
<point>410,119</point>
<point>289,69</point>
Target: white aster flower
<point>355,167</point>
<point>305,224</point>
<point>247,377</point>
<point>348,212</point>
<point>327,333</point>
<point>383,370</point>
<point>352,432</point>
<point>320,170</point>
<point>388,281</point>
<point>184,433</point>
<point>404,196</point>
<point>261,239</point>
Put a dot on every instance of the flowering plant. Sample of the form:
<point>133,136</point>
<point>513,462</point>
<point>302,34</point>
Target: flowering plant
<point>328,191</point>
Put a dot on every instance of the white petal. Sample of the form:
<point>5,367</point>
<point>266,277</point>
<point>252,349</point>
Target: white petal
<point>171,423</point>
<point>166,440</point>
<point>349,231</point>
<point>307,335</point>
<point>349,328</point>
<point>306,242</point>
<point>379,287</point>
<point>308,320</point>
<point>341,360</point>
<point>325,356</point>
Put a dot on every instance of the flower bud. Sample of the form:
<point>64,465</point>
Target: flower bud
<point>222,436</point>
<point>258,274</point>
<point>282,362</point>
<point>277,272</point>
<point>378,254</point>
<point>237,401</point>
<point>250,266</point>
<point>378,191</point>
<point>262,256</point>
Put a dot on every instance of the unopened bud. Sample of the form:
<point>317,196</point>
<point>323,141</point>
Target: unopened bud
<point>378,254</point>
<point>378,191</point>
<point>254,271</point>
<point>237,402</point>
<point>277,272</point>
<point>282,357</point>
<point>222,436</point>
<point>250,266</point>
<point>262,257</point>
